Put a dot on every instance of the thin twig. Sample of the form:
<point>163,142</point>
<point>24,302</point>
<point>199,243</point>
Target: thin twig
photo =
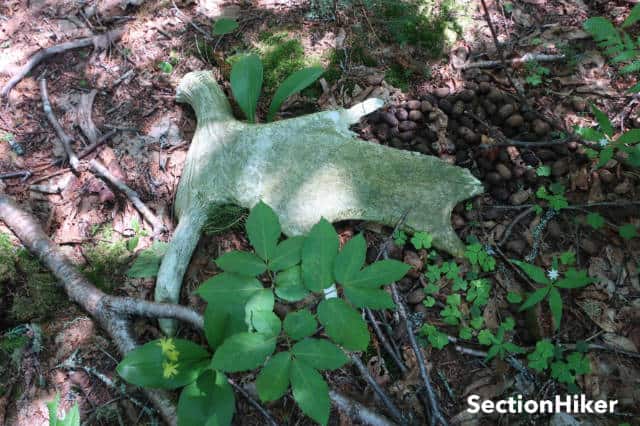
<point>388,403</point>
<point>385,343</point>
<point>100,40</point>
<point>23,174</point>
<point>436,414</point>
<point>253,402</point>
<point>513,223</point>
<point>499,49</point>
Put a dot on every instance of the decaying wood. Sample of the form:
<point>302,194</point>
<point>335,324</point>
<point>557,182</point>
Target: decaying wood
<point>99,41</point>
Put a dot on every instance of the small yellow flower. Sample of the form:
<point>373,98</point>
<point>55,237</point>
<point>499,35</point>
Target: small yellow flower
<point>169,370</point>
<point>172,355</point>
<point>166,345</point>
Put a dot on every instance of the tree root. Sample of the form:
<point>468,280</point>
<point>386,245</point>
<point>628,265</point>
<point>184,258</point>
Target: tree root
<point>111,312</point>
<point>98,41</point>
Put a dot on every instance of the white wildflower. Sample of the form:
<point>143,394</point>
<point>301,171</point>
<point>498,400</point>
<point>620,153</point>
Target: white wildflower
<point>603,142</point>
<point>553,274</point>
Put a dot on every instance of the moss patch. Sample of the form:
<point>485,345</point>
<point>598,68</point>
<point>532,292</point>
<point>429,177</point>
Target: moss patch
<point>107,258</point>
<point>35,294</point>
<point>423,24</point>
<point>281,56</point>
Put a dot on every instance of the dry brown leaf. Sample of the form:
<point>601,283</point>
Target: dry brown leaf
<point>600,313</point>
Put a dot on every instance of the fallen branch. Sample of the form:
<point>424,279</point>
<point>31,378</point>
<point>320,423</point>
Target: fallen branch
<point>23,175</point>
<point>354,409</point>
<point>529,57</point>
<point>270,420</point>
<point>98,41</point>
<point>513,223</point>
<point>111,312</point>
<point>95,166</point>
<point>388,403</point>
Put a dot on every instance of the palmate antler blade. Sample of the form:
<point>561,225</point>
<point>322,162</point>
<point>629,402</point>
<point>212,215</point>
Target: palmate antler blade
<point>305,168</point>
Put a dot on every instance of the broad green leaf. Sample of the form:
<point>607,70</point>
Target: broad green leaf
<point>300,324</point>
<point>224,26</point>
<point>222,321</point>
<point>319,353</point>
<point>246,84</point>
<point>292,85</point>
<point>589,134</point>
<point>534,298</point>
<point>379,273</point>
<point>574,279</point>
<point>228,288</point>
<point>289,285</point>
<point>634,16</point>
<point>147,263</point>
<point>514,297</point>
<point>241,263</point>
<point>555,304</point>
<point>493,351</point>
<point>70,418</point>
<point>631,137</point>
<point>263,230</point>
<point>208,401</point>
<point>259,314</point>
<point>535,273</point>
<point>273,380</point>
<point>628,231</point>
<point>155,366</point>
<point>605,155</point>
<point>310,391</point>
<point>350,259</point>
<point>595,220</point>
<point>513,348</point>
<point>243,352</point>
<point>343,324</point>
<point>267,323</point>
<point>579,363</point>
<point>603,120</point>
<point>287,254</point>
<point>369,298</point>
<point>318,255</point>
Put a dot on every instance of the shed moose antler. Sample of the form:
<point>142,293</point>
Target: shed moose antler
<point>305,168</point>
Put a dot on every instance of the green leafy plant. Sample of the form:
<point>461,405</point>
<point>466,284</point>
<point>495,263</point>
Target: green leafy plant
<point>436,338</point>
<point>498,345</point>
<point>421,240</point>
<point>563,368</point>
<point>399,238</point>
<point>536,73</point>
<point>552,282</point>
<point>224,26</point>
<point>604,134</point>
<point>246,85</point>
<point>240,319</point>
<point>479,257</point>
<point>71,418</point>
<point>555,196</point>
<point>543,171</point>
<point>617,43</point>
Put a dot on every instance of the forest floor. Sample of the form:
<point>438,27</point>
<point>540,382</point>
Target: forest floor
<point>369,49</point>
